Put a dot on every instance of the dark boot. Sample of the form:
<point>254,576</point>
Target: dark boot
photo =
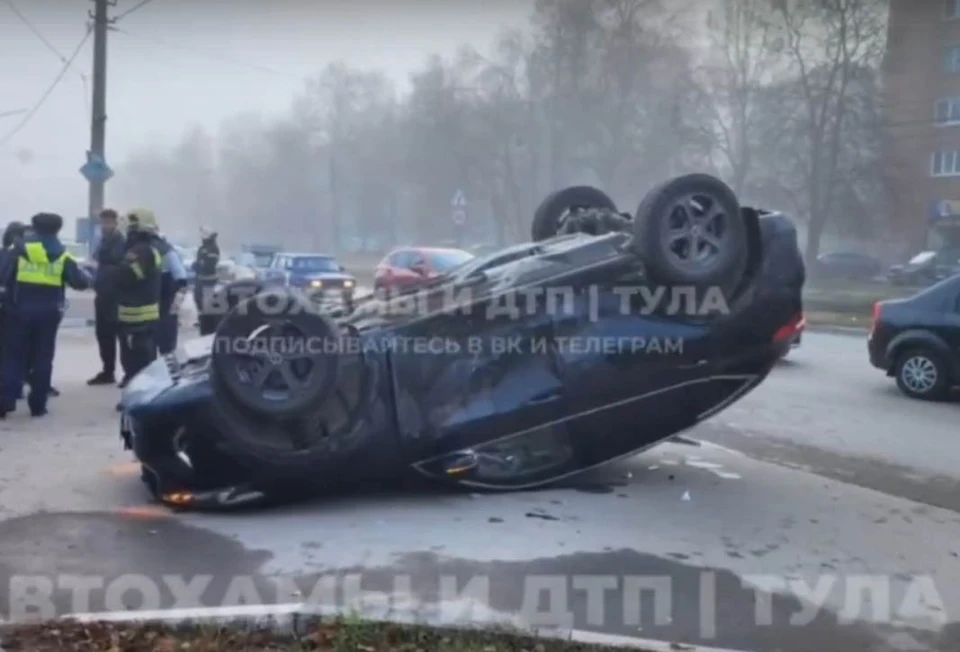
<point>102,378</point>
<point>123,382</point>
<point>54,392</point>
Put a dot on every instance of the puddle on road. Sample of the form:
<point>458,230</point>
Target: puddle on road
<point>45,555</point>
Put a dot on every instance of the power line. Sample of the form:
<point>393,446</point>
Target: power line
<point>132,9</point>
<point>46,94</point>
<point>36,32</point>
<point>210,55</point>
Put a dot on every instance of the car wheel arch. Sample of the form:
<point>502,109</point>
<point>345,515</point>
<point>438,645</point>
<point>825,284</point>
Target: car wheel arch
<point>914,338</point>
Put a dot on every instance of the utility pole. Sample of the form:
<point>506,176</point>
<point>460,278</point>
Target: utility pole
<point>98,118</point>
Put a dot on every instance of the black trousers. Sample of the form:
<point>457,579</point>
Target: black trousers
<point>209,321</point>
<point>138,347</point>
<point>107,330</point>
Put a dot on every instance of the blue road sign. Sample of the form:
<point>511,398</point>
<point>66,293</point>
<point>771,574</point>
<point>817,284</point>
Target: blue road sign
<point>96,169</point>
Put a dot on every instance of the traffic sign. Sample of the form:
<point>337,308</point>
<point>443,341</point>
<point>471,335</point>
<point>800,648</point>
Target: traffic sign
<point>96,170</point>
<point>459,217</point>
<point>459,199</point>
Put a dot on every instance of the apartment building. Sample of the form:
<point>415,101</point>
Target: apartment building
<point>922,86</point>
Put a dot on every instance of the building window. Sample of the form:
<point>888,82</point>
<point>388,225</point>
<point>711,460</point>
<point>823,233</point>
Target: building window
<point>945,163</point>
<point>947,111</point>
<point>952,61</point>
<point>951,9</point>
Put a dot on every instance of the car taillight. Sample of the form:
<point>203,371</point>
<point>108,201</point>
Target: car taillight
<point>789,330</point>
<point>877,309</point>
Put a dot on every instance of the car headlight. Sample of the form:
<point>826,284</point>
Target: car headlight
<point>316,284</point>
<point>348,284</point>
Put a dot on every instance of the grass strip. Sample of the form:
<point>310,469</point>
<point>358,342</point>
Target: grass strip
<point>338,635</point>
<point>842,319</point>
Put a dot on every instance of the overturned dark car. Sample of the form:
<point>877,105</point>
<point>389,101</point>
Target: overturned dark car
<point>607,334</point>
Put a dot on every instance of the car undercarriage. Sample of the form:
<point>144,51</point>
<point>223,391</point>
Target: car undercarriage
<point>607,334</point>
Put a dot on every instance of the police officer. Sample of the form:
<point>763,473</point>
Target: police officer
<point>173,285</point>
<point>109,255</point>
<point>12,236</point>
<point>205,267</point>
<point>35,293</point>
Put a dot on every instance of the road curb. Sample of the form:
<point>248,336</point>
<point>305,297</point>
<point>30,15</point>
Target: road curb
<point>293,618</point>
<point>837,330</point>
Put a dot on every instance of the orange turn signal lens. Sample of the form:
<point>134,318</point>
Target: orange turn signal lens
<point>178,498</point>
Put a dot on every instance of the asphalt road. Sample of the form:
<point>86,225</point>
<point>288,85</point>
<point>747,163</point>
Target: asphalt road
<point>827,410</point>
<point>79,307</point>
<point>783,500</point>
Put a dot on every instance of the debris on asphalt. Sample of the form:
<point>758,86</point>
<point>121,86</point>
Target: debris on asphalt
<point>345,635</point>
<point>494,519</point>
<point>686,496</point>
<point>542,515</point>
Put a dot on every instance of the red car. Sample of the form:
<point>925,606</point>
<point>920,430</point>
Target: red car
<point>408,266</point>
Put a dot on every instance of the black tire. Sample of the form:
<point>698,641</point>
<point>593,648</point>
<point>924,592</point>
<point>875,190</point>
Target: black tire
<point>666,264</point>
<point>547,219</point>
<point>304,453</point>
<point>308,365</point>
<point>921,373</point>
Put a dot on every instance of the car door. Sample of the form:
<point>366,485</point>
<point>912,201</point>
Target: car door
<point>402,269</point>
<point>419,268</point>
<point>952,330</point>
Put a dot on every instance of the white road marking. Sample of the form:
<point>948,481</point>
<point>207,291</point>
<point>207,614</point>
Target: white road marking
<point>697,464</point>
<point>727,475</point>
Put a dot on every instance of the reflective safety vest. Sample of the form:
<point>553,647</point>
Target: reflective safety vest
<point>37,269</point>
<point>141,303</point>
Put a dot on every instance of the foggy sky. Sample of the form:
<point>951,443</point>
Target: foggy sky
<point>177,63</point>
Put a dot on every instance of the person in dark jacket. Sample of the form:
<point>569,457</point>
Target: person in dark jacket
<point>139,292</point>
<point>35,293</point>
<point>205,268</point>
<point>173,278</point>
<point>12,235</point>
<point>107,258</point>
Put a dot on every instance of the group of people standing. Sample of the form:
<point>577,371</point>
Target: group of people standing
<point>139,281</point>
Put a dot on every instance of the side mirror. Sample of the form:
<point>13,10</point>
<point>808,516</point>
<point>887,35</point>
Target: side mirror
<point>342,268</point>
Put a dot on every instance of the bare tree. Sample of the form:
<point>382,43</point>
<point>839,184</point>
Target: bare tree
<point>746,42</point>
<point>829,44</point>
<point>597,91</point>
